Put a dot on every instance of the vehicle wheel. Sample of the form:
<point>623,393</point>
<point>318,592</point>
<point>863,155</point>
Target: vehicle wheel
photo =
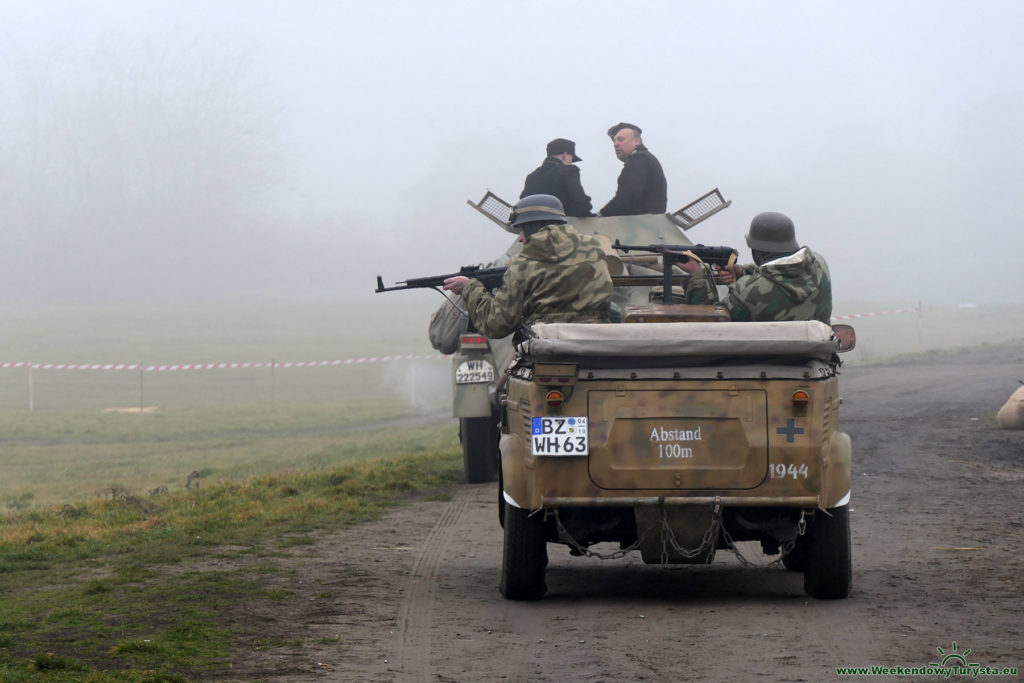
<point>829,571</point>
<point>525,556</point>
<point>479,436</point>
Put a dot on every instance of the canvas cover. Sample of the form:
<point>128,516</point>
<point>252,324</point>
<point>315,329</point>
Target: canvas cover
<point>684,342</point>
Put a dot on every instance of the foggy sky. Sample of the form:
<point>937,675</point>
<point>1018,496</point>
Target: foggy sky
<point>163,150</point>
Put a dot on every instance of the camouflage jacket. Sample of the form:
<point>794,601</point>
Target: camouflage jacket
<point>559,276</point>
<point>795,287</point>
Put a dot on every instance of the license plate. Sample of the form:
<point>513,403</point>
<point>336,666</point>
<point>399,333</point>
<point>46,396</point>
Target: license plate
<point>474,372</point>
<point>560,436</point>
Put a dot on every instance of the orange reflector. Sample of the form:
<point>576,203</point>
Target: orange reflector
<point>555,398</point>
<point>800,398</point>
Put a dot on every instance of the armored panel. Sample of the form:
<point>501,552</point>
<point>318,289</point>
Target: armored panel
<point>655,228</point>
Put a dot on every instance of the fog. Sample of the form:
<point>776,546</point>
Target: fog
<point>198,151</point>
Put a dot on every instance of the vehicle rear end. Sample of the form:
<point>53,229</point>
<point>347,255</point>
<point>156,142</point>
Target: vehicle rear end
<point>676,440</point>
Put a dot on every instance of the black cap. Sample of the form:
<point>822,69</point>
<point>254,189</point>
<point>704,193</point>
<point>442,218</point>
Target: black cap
<point>619,126</point>
<point>561,146</point>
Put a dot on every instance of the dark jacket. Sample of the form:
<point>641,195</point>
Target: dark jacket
<point>563,181</point>
<point>642,187</point>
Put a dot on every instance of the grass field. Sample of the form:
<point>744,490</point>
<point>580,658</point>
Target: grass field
<point>126,587</point>
<point>224,423</point>
<point>231,423</point>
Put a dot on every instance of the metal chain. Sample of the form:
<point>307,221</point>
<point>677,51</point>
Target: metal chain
<point>565,536</point>
<point>710,536</point>
<point>668,539</point>
<point>784,549</point>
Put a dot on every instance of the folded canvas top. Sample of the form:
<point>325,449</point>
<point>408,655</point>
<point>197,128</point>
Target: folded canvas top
<point>685,343</point>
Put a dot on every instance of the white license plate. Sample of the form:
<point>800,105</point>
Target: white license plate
<point>560,436</point>
<point>474,372</point>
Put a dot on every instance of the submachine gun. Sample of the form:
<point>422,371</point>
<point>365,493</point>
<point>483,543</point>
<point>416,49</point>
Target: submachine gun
<point>720,257</point>
<point>490,277</point>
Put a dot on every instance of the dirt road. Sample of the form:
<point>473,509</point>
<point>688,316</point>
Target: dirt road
<point>938,542</point>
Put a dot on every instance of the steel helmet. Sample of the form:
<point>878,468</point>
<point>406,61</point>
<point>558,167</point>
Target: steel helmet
<point>772,232</point>
<point>537,207</point>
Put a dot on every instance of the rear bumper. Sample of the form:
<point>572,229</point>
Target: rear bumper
<point>630,501</point>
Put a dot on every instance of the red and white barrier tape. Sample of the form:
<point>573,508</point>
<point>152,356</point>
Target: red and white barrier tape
<point>299,364</point>
<point>214,366</point>
<point>869,315</point>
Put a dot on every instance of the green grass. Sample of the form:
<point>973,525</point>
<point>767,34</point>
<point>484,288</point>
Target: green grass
<point>126,586</point>
<point>50,458</point>
<point>226,423</point>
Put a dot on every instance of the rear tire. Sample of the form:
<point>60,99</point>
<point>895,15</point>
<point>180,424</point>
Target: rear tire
<point>479,436</point>
<point>829,571</point>
<point>525,556</point>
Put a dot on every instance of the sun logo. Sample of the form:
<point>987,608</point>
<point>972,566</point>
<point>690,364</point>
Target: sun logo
<point>954,658</point>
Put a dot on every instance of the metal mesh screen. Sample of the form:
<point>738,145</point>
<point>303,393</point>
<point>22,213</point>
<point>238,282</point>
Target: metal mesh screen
<point>496,207</point>
<point>700,209</point>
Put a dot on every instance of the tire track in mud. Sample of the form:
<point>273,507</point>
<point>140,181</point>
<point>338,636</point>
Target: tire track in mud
<point>415,617</point>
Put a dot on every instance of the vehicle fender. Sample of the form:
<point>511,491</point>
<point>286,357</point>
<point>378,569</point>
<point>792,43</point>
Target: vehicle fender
<point>471,400</point>
<point>516,482</point>
<point>839,465</point>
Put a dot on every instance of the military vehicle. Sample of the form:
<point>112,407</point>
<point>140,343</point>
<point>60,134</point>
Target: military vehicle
<point>677,439</point>
<point>479,363</point>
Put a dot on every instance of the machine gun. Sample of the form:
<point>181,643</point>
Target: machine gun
<point>490,277</point>
<point>676,253</point>
<point>720,257</point>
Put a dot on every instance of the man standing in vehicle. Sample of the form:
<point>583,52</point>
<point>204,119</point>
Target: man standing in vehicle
<point>642,187</point>
<point>786,282</point>
<point>559,276</point>
<point>558,176</point>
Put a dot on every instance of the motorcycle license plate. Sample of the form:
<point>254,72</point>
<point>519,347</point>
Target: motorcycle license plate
<point>474,372</point>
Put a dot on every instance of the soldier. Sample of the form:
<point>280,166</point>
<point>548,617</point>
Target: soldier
<point>788,282</point>
<point>559,276</point>
<point>559,177</point>
<point>642,187</point>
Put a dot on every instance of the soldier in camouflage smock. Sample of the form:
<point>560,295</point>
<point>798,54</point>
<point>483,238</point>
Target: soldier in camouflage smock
<point>559,276</point>
<point>788,282</point>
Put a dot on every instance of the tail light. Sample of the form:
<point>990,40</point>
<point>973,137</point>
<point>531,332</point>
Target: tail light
<point>800,398</point>
<point>555,398</point>
<point>474,341</point>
